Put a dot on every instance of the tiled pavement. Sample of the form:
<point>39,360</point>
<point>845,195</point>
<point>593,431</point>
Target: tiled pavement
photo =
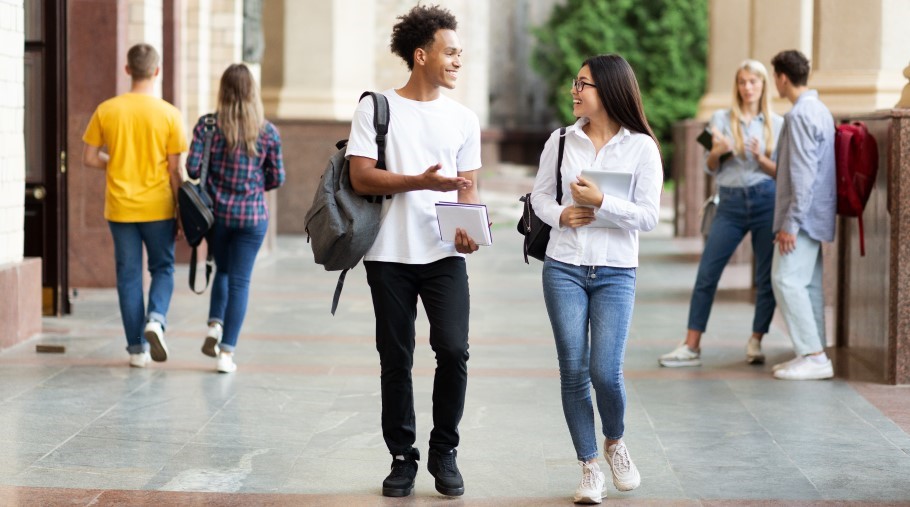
<point>298,424</point>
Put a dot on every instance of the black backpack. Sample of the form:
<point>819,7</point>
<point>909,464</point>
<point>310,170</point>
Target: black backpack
<point>195,207</point>
<point>341,225</point>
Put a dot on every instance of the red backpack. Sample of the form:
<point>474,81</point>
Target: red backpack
<point>856,155</point>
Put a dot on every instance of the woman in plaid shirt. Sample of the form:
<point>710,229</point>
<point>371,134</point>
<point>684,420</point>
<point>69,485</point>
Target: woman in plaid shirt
<point>245,162</point>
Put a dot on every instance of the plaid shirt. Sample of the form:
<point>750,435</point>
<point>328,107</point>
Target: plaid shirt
<point>235,181</point>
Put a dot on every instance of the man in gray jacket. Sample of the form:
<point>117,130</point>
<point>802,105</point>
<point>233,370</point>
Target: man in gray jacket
<point>804,215</point>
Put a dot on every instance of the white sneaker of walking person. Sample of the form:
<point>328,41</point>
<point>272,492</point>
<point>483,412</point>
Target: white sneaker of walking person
<point>785,364</point>
<point>140,360</point>
<point>225,363</point>
<point>593,486</point>
<point>625,473</point>
<point>154,335</point>
<point>754,354</point>
<point>212,339</point>
<point>681,356</point>
<point>816,367</point>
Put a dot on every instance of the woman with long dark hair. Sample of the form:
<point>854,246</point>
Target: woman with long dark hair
<point>592,256</point>
<point>245,162</point>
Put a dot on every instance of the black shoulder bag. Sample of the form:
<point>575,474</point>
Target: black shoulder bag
<point>535,231</point>
<point>195,206</point>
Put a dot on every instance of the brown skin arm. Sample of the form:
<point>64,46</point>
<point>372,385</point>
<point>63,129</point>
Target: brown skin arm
<point>464,243</point>
<point>92,156</point>
<point>368,180</point>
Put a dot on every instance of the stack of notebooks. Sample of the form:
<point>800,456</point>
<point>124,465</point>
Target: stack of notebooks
<point>473,218</point>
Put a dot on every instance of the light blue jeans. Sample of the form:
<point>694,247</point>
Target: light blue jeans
<point>158,238</point>
<point>599,299</point>
<point>235,254</point>
<point>797,281</point>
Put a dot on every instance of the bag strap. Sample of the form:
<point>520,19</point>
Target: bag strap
<point>562,145</point>
<point>209,129</point>
<point>209,265</point>
<point>338,287</point>
<point>381,118</point>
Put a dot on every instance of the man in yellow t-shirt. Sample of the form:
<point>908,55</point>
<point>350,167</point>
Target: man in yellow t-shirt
<point>144,137</point>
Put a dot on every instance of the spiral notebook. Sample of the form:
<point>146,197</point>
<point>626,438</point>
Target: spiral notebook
<point>473,218</point>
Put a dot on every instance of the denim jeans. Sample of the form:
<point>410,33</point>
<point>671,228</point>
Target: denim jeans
<point>797,281</point>
<point>442,286</point>
<point>235,253</point>
<point>741,210</point>
<point>599,299</point>
<point>158,238</point>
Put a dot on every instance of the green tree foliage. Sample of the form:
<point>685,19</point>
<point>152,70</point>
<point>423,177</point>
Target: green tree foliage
<point>665,41</point>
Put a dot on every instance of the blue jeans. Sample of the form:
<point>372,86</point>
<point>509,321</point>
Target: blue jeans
<point>599,298</point>
<point>235,253</point>
<point>741,210</point>
<point>158,238</point>
<point>797,280</point>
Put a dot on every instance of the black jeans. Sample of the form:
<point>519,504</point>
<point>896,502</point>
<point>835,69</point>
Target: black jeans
<point>443,288</point>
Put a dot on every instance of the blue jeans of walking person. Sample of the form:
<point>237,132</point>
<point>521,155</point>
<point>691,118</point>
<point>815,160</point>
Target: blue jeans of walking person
<point>741,211</point>
<point>235,254</point>
<point>158,238</point>
<point>598,299</point>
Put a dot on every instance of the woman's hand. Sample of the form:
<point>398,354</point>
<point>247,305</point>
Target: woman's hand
<point>721,144</point>
<point>754,147</point>
<point>586,193</point>
<point>576,216</point>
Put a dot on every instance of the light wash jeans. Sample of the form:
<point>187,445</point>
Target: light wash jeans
<point>741,211</point>
<point>599,299</point>
<point>158,238</point>
<point>235,253</point>
<point>797,281</point>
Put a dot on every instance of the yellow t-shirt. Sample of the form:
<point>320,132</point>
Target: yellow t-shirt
<point>140,131</point>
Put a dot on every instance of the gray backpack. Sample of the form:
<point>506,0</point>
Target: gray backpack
<point>341,225</point>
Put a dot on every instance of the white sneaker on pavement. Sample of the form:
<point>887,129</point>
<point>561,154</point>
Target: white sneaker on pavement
<point>140,360</point>
<point>593,485</point>
<point>625,473</point>
<point>753,352</point>
<point>212,339</point>
<point>785,364</point>
<point>806,369</point>
<point>226,363</point>
<point>681,356</point>
<point>154,334</point>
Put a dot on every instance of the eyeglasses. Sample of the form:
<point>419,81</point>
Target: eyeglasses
<point>579,85</point>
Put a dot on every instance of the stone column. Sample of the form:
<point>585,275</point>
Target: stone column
<point>145,24</point>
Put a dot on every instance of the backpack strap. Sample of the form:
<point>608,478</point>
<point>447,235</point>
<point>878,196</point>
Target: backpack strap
<point>209,130</point>
<point>338,288</point>
<point>562,146</point>
<point>381,117</point>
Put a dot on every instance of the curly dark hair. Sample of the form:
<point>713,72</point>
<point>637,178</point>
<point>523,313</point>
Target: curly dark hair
<point>417,28</point>
<point>792,64</point>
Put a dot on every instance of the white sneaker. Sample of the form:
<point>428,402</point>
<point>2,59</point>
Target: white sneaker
<point>681,356</point>
<point>592,486</point>
<point>225,363</point>
<point>753,352</point>
<point>785,364</point>
<point>625,473</point>
<point>806,369</point>
<point>212,339</point>
<point>140,360</point>
<point>154,334</point>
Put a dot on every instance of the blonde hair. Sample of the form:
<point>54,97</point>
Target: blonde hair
<point>764,107</point>
<point>239,109</point>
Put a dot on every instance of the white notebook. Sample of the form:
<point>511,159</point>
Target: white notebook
<point>473,218</point>
<point>616,184</point>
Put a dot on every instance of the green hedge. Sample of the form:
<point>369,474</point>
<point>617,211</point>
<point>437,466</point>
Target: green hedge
<point>665,41</point>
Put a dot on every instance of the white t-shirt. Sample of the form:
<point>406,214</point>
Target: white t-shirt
<point>599,246</point>
<point>421,134</point>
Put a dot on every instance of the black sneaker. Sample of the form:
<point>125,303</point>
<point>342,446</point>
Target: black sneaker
<point>443,467</point>
<point>400,481</point>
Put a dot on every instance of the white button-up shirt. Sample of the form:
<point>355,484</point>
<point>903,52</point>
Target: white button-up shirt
<point>599,246</point>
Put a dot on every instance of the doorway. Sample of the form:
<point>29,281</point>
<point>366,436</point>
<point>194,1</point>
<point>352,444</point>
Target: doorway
<point>45,152</point>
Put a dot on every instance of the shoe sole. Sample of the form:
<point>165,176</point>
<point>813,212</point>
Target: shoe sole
<point>804,377</point>
<point>210,347</point>
<point>449,491</point>
<point>157,346</point>
<point>396,492</point>
<point>755,359</point>
<point>589,500</point>
<point>679,364</point>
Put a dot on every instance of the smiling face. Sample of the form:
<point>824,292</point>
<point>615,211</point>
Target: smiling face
<point>442,59</point>
<point>750,87</point>
<point>585,103</point>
